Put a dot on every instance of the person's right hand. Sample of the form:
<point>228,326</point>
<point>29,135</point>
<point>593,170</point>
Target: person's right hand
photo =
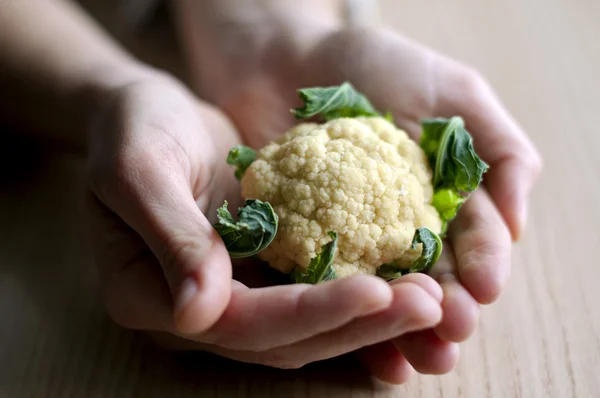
<point>157,174</point>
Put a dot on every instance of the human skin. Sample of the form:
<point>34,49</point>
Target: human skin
<point>249,60</point>
<point>155,174</point>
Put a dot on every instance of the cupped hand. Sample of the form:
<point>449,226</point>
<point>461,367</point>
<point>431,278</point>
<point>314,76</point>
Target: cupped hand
<point>157,174</point>
<point>413,83</point>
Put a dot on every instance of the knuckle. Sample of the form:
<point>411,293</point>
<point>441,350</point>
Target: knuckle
<point>473,79</point>
<point>482,251</point>
<point>471,84</point>
<point>528,160</point>
<point>535,162</point>
<point>175,251</point>
<point>169,256</point>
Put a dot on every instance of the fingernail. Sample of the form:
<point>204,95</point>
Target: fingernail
<point>521,221</point>
<point>187,291</point>
<point>523,210</point>
<point>523,189</point>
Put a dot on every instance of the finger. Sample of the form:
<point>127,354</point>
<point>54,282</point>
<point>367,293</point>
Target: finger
<point>386,363</point>
<point>138,297</point>
<point>514,162</point>
<point>427,353</point>
<point>412,309</point>
<point>155,199</point>
<point>460,309</point>
<point>482,247</point>
<point>135,292</point>
<point>424,281</point>
<point>265,318</point>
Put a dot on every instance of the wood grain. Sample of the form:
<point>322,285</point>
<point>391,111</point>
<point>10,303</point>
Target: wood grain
<point>541,339</point>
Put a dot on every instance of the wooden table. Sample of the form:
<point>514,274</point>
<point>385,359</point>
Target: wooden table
<point>541,339</point>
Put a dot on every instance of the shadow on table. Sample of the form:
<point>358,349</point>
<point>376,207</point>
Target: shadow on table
<point>200,372</point>
<point>61,341</point>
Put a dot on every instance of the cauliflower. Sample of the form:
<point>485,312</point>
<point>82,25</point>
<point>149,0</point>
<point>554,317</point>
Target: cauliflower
<point>354,194</point>
<point>361,177</point>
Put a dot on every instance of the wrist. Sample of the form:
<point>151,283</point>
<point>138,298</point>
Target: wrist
<point>226,42</point>
<point>260,12</point>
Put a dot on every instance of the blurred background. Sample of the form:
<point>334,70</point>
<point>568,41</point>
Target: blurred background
<point>541,339</point>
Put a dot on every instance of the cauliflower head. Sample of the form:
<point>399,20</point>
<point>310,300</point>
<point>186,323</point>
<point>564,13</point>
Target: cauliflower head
<point>361,177</point>
<point>353,194</point>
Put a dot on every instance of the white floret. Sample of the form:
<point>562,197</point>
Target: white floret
<point>361,177</point>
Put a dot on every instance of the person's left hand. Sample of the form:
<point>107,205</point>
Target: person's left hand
<point>256,86</point>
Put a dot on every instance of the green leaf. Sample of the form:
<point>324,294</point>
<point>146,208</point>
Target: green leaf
<point>449,148</point>
<point>320,268</point>
<point>252,233</point>
<point>333,102</point>
<point>431,135</point>
<point>241,157</point>
<point>432,248</point>
<point>457,169</point>
<point>447,202</point>
<point>390,271</point>
<point>389,117</point>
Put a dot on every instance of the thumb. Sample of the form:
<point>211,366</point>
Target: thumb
<point>157,202</point>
